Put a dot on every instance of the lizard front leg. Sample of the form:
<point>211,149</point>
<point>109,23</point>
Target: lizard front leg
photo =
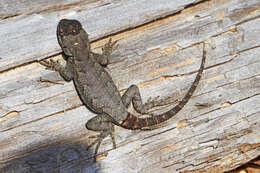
<point>65,72</point>
<point>107,50</point>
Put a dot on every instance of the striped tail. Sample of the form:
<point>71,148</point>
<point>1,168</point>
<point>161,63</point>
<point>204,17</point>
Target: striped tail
<point>132,122</point>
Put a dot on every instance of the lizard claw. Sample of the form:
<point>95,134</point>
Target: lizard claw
<point>153,102</point>
<point>110,46</point>
<point>99,139</point>
<point>50,65</point>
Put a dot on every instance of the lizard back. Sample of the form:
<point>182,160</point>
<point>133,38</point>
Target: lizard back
<point>96,88</point>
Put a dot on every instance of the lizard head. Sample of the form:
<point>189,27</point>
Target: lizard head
<point>71,35</point>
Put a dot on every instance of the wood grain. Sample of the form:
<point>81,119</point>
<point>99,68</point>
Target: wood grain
<point>42,124</point>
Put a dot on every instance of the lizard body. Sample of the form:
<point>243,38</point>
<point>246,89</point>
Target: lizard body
<point>96,88</point>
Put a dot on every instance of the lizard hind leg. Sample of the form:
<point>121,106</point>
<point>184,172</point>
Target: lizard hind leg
<point>133,94</point>
<point>104,125</point>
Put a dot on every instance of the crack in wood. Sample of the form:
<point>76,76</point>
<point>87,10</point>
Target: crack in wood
<point>166,77</point>
<point>240,80</point>
<point>50,9</point>
<point>213,158</point>
<point>133,28</point>
<point>48,98</point>
<point>47,116</point>
<point>232,103</point>
<point>248,20</point>
<point>9,114</point>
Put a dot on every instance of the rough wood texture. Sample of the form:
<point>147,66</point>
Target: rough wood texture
<point>42,123</point>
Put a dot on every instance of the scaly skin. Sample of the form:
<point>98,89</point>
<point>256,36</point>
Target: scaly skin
<point>96,88</point>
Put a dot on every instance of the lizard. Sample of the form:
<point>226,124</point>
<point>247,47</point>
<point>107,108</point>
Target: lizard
<point>96,88</point>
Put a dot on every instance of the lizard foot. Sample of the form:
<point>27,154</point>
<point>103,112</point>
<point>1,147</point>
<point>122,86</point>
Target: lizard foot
<point>51,65</point>
<point>153,103</point>
<point>109,47</point>
<point>99,139</point>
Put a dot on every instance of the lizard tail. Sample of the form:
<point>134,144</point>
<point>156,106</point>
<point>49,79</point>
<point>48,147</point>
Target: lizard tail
<point>132,122</point>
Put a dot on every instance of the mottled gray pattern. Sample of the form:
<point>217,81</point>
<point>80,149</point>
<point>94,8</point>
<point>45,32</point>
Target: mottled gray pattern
<point>96,88</point>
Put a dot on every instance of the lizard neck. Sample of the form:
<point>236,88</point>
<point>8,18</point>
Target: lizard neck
<point>81,55</point>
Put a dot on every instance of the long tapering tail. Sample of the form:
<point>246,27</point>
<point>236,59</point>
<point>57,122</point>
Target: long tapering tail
<point>134,123</point>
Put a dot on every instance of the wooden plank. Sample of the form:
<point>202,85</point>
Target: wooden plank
<point>162,57</point>
<point>14,8</point>
<point>30,38</point>
<point>118,72</point>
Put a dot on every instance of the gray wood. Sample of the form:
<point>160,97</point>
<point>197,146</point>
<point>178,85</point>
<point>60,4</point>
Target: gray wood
<point>218,130</point>
<point>13,8</point>
<point>28,38</point>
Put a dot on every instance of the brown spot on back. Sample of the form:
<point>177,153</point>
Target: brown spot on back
<point>156,119</point>
<point>151,121</point>
<point>164,116</point>
<point>146,122</point>
<point>173,111</point>
<point>125,123</point>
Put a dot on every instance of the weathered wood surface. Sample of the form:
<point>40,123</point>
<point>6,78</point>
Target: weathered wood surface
<point>42,123</point>
<point>36,32</point>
